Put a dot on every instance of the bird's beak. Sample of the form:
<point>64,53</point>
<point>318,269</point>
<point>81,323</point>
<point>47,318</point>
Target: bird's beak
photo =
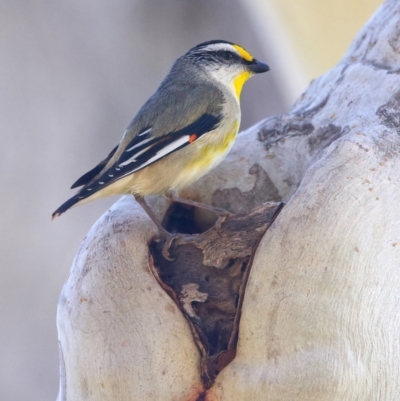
<point>257,67</point>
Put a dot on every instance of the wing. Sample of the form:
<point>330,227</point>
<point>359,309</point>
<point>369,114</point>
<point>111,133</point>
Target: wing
<point>86,178</point>
<point>162,121</point>
<point>144,150</point>
<point>160,128</point>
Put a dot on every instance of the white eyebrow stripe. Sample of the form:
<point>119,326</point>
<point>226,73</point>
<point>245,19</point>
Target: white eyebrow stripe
<point>218,46</point>
<point>138,144</point>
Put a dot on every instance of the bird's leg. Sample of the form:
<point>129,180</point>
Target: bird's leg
<point>168,237</point>
<point>221,213</point>
<point>151,214</point>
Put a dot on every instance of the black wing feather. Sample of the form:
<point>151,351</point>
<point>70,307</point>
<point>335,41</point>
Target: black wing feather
<point>203,125</point>
<point>86,178</point>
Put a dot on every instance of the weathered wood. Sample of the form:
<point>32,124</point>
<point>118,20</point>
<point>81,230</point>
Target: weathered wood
<point>121,336</point>
<point>207,277</point>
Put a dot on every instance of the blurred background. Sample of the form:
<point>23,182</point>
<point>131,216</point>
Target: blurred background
<point>72,76</point>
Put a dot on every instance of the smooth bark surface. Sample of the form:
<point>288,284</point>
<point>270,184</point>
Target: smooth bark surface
<point>121,336</point>
<point>320,316</point>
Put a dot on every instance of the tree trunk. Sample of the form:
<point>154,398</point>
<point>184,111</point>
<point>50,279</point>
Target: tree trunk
<point>319,317</point>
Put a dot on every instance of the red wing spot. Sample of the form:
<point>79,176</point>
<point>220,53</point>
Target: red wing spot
<point>192,138</point>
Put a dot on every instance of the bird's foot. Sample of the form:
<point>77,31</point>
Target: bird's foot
<point>169,239</point>
<point>221,219</point>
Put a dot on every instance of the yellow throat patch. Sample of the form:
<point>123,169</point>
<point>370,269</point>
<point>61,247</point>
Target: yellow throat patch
<point>239,81</point>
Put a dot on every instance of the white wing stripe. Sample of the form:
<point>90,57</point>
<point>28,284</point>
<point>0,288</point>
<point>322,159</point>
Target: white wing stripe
<point>145,132</point>
<point>163,152</point>
<point>139,144</point>
<point>133,158</point>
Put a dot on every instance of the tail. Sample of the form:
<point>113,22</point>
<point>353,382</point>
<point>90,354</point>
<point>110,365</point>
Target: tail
<point>94,189</point>
<point>67,205</point>
<point>86,195</point>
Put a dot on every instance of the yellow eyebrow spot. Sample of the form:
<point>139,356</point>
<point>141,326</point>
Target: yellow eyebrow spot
<point>244,53</point>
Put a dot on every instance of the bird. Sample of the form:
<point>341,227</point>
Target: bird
<point>184,130</point>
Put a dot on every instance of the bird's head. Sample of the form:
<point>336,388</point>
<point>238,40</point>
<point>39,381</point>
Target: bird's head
<point>226,62</point>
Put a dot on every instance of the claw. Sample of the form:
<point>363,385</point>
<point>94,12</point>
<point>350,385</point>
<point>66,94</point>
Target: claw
<point>219,222</point>
<point>167,245</point>
<point>169,239</point>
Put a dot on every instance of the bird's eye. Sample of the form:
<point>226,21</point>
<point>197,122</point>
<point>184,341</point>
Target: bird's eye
<point>225,55</point>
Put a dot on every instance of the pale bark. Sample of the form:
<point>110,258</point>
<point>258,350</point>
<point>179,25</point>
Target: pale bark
<point>320,319</point>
